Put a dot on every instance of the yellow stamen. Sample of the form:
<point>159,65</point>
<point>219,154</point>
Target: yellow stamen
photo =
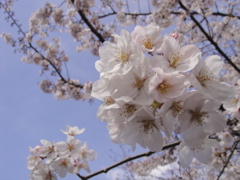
<point>175,59</point>
<point>139,83</point>
<point>176,108</point>
<point>164,87</point>
<point>148,42</point>
<point>204,76</point>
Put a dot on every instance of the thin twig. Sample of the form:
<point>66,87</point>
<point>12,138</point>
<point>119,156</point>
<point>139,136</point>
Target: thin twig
<point>229,157</point>
<point>35,49</point>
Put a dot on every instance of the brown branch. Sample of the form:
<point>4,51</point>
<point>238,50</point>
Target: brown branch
<point>172,12</point>
<point>148,153</point>
<point>209,38</point>
<point>55,68</point>
<point>213,13</point>
<point>14,21</point>
<point>229,157</point>
<point>85,19</point>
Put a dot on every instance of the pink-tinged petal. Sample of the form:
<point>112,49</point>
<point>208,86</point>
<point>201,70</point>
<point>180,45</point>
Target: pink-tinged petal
<point>189,51</point>
<point>170,45</point>
<point>185,156</point>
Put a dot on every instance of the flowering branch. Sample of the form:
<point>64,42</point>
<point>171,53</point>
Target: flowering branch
<point>229,157</point>
<point>85,19</point>
<point>14,22</point>
<point>148,153</point>
<point>209,38</point>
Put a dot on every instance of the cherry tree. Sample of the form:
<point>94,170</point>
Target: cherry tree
<point>168,82</point>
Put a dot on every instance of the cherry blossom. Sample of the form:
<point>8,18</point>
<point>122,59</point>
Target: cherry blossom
<point>201,150</point>
<point>205,79</point>
<point>165,86</point>
<point>144,129</point>
<point>148,38</point>
<point>175,58</point>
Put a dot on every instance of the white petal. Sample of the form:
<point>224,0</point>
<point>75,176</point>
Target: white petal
<point>185,156</point>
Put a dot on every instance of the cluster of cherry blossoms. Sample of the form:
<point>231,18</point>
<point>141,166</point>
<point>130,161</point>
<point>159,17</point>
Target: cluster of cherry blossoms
<point>151,86</point>
<point>48,160</point>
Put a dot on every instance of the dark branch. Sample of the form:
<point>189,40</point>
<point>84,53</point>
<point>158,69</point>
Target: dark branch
<point>85,19</point>
<point>209,38</point>
<point>149,153</point>
<point>55,68</point>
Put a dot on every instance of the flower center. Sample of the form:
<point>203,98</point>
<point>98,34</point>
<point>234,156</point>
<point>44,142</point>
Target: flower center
<point>139,83</point>
<point>204,76</point>
<point>70,147</point>
<point>176,108</point>
<point>198,117</point>
<point>127,110</point>
<point>122,56</point>
<point>108,100</point>
<point>234,101</point>
<point>147,126</point>
<point>175,59</point>
<point>64,163</point>
<point>148,42</point>
<point>164,87</point>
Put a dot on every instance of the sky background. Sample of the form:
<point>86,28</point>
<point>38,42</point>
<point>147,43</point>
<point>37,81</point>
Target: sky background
<point>28,115</point>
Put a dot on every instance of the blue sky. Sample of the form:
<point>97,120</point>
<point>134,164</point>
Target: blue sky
<point>28,115</point>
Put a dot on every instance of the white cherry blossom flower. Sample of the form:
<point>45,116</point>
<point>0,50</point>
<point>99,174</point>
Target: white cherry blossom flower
<point>44,172</point>
<point>62,165</point>
<point>73,131</point>
<point>201,149</point>
<point>226,139</point>
<point>233,104</point>
<point>34,159</point>
<point>175,58</point>
<point>49,151</point>
<point>205,79</point>
<point>133,84</point>
<point>144,129</point>
<point>80,164</point>
<point>71,147</point>
<point>87,154</point>
<point>148,38</point>
<point>170,111</point>
<point>166,86</point>
<point>120,57</point>
<point>118,115</point>
<point>200,117</point>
